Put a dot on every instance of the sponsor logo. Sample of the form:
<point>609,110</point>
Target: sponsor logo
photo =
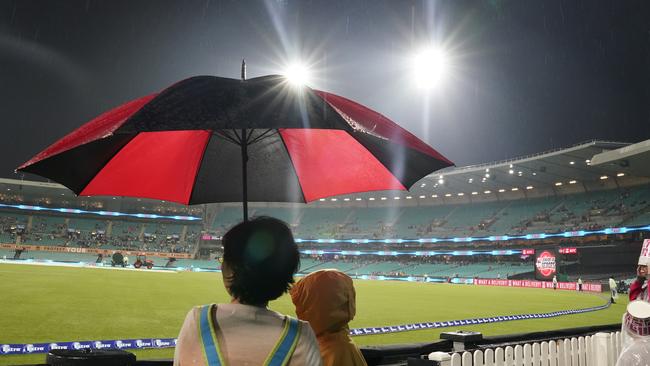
<point>57,346</point>
<point>78,345</point>
<point>143,343</point>
<point>162,343</point>
<point>30,348</point>
<point>546,263</point>
<point>123,344</point>
<point>102,345</point>
<point>7,348</point>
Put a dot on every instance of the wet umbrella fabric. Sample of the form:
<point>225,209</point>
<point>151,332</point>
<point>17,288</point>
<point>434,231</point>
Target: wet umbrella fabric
<point>185,145</point>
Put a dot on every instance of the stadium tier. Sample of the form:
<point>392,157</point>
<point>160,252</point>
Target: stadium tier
<point>590,210</point>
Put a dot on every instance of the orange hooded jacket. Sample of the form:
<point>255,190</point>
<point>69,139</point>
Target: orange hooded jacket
<point>326,299</point>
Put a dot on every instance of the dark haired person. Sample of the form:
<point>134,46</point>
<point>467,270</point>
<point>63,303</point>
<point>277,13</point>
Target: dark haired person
<point>259,260</point>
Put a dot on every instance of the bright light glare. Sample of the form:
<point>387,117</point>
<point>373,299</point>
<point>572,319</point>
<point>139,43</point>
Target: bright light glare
<point>430,67</point>
<point>297,74</point>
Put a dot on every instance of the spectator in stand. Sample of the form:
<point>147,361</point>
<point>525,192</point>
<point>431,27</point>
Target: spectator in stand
<point>639,288</point>
<point>326,299</point>
<point>259,261</point>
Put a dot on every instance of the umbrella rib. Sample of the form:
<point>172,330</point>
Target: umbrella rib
<point>228,137</point>
<point>262,136</point>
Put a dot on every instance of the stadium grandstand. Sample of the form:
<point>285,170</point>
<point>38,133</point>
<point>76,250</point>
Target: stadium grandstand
<point>462,222</point>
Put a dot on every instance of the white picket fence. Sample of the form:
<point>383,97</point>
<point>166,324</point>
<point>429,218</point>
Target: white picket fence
<point>601,349</point>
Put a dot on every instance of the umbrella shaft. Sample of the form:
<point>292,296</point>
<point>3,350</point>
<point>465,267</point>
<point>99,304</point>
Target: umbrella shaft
<point>244,162</point>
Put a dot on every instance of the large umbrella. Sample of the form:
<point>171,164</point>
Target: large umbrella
<point>211,139</point>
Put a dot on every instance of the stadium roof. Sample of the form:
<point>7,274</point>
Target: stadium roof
<point>636,158</point>
<point>560,171</point>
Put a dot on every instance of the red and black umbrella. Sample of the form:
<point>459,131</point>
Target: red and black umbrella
<point>211,139</point>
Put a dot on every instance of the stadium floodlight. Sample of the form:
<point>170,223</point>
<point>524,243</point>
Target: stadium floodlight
<point>573,181</point>
<point>423,196</point>
<point>529,187</point>
<point>474,193</point>
<point>588,162</point>
<point>558,183</point>
<point>572,162</point>
<point>501,190</point>
<point>511,171</point>
<point>434,196</point>
<point>383,198</point>
<point>408,197</point>
<point>371,199</point>
<point>461,194</point>
<point>487,170</point>
<point>322,199</point>
<point>470,180</point>
<point>448,195</point>
<point>346,199</point>
<point>333,199</point>
<point>487,175</point>
<point>430,66</point>
<point>396,198</point>
<point>297,74</point>
<point>441,181</point>
<point>358,199</point>
<point>620,174</point>
<point>515,189</point>
<point>423,185</point>
<point>603,177</point>
<point>487,192</point>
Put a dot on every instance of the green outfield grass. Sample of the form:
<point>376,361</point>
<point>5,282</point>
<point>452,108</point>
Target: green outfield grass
<point>49,304</point>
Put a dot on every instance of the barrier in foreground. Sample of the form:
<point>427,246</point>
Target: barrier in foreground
<point>600,349</point>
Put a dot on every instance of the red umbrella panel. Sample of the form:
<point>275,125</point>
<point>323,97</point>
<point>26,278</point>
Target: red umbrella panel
<point>185,145</point>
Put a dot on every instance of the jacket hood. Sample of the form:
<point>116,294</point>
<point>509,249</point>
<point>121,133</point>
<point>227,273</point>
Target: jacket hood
<point>326,299</point>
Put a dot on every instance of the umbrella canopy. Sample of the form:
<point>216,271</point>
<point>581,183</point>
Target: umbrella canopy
<point>188,143</point>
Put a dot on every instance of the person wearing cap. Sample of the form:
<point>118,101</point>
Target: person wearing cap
<point>326,299</point>
<point>639,288</point>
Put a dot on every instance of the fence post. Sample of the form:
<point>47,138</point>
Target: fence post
<point>488,357</point>
<point>467,359</point>
<point>536,359</point>
<point>574,352</point>
<point>553,359</point>
<point>544,354</point>
<point>582,355</point>
<point>509,356</point>
<point>479,360</point>
<point>519,355</point>
<point>601,349</point>
<point>456,360</point>
<point>499,357</point>
<point>589,349</point>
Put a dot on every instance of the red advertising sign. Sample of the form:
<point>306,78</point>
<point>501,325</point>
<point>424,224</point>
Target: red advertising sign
<point>545,264</point>
<point>528,252</point>
<point>591,287</point>
<point>571,250</point>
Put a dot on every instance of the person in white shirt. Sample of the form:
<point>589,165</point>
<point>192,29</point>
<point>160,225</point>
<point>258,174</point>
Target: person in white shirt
<point>259,261</point>
<point>612,288</point>
<point>554,282</point>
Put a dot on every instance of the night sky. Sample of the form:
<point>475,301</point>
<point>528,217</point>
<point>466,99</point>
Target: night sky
<point>525,76</point>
